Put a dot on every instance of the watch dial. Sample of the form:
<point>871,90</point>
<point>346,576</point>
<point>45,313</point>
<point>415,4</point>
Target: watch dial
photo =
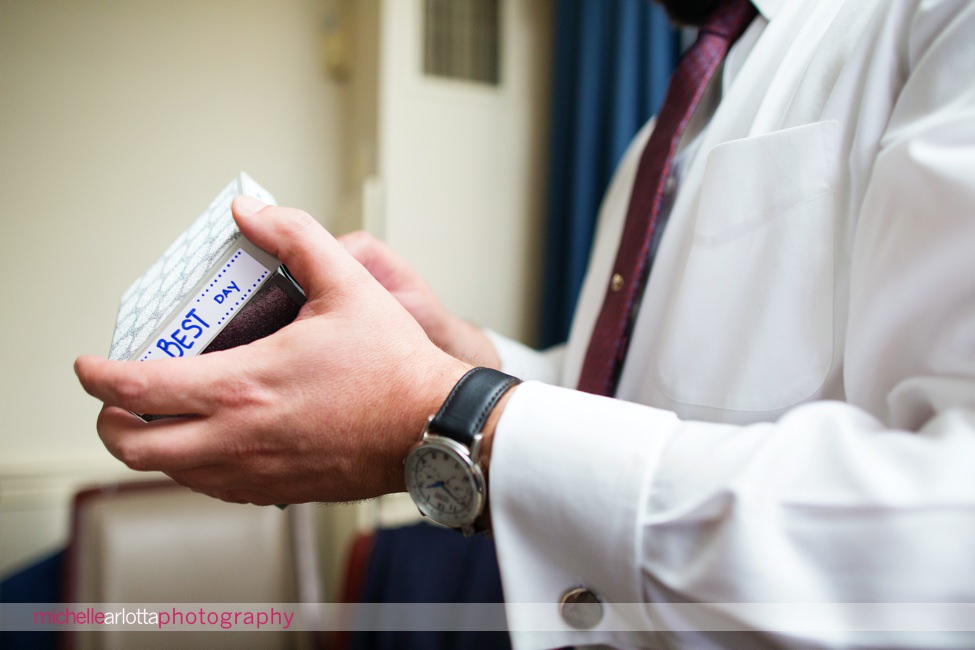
<point>442,486</point>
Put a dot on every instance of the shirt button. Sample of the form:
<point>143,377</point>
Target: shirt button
<point>616,282</point>
<point>581,608</point>
<point>670,184</point>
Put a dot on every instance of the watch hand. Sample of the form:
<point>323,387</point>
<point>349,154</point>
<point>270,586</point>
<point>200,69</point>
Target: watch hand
<point>443,486</point>
<point>449,493</point>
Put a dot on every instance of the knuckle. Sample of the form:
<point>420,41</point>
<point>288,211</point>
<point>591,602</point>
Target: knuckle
<point>122,444</point>
<point>132,390</point>
<point>104,424</point>
<point>252,455</point>
<point>239,393</point>
<point>297,222</point>
<point>358,240</point>
<point>130,454</point>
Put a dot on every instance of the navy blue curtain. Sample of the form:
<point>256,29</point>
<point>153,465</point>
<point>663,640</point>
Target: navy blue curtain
<point>613,59</point>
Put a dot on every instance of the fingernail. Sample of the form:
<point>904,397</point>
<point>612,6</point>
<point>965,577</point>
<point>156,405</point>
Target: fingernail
<point>247,206</point>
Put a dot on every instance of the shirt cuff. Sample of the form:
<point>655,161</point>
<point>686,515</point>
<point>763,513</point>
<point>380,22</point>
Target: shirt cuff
<point>569,472</point>
<point>526,363</point>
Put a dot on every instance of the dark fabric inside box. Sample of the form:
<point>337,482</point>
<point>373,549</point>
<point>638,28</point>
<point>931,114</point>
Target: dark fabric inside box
<point>275,304</point>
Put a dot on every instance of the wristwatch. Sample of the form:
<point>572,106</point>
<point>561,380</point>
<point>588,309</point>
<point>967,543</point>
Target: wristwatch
<point>442,472</point>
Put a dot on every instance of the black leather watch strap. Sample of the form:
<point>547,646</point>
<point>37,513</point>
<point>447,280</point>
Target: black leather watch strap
<point>469,404</point>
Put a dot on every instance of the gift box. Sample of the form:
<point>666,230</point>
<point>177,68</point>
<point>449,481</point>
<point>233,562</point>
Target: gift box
<point>211,290</point>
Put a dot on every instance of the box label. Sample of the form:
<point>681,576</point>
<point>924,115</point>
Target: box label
<point>190,331</point>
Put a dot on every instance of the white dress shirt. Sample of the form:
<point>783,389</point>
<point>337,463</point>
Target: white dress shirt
<point>796,415</point>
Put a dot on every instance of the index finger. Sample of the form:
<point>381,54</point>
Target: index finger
<point>160,387</point>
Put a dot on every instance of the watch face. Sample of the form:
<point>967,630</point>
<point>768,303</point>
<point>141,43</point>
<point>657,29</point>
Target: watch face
<point>445,485</point>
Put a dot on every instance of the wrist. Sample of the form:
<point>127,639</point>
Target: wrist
<point>445,470</point>
<point>430,390</point>
<point>483,523</point>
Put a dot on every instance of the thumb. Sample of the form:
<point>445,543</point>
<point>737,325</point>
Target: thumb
<point>311,254</point>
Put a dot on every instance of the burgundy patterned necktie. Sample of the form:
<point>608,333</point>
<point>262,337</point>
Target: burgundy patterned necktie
<point>611,335</point>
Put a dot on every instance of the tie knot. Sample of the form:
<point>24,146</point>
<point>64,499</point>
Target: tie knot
<point>729,19</point>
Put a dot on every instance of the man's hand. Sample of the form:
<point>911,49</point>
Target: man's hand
<point>322,410</point>
<point>454,335</point>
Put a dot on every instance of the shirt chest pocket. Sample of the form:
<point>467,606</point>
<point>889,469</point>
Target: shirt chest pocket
<point>750,326</point>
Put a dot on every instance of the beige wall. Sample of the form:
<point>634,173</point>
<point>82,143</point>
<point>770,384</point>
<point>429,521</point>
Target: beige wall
<point>120,120</point>
<point>468,161</point>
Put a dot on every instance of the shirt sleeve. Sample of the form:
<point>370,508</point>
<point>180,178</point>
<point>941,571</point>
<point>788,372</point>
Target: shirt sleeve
<point>869,501</point>
<point>826,506</point>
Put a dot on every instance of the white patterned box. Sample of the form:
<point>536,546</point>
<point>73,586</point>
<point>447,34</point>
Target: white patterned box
<point>211,290</point>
